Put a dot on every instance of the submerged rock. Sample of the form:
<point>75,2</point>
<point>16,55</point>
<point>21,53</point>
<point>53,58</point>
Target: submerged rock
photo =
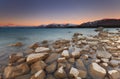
<point>96,71</point>
<point>18,44</point>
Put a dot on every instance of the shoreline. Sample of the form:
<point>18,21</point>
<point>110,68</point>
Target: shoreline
<point>89,57</point>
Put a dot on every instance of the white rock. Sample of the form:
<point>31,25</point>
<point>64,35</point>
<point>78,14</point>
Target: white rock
<point>41,49</point>
<point>76,54</point>
<point>96,71</point>
<point>74,72</point>
<point>65,53</point>
<point>114,74</point>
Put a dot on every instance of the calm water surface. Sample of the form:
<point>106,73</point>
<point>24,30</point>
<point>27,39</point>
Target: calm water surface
<point>29,36</point>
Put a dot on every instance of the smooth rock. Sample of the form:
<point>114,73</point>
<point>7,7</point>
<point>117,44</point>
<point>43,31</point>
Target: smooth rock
<point>65,53</point>
<point>74,72</point>
<point>80,65</point>
<point>96,71</point>
<point>39,65</point>
<point>42,49</point>
<point>35,57</point>
<point>14,71</point>
<point>53,57</point>
<point>114,63</point>
<point>102,53</point>
<point>52,67</point>
<point>76,54</point>
<point>114,74</point>
<point>34,46</point>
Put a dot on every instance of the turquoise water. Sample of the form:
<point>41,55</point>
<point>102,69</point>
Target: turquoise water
<point>32,35</point>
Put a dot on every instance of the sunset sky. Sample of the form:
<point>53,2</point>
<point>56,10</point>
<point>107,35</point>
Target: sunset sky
<point>38,12</point>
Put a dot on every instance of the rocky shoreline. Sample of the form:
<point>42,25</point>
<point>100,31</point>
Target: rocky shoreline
<point>92,57</point>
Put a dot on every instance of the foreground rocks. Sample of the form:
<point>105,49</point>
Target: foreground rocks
<point>82,57</point>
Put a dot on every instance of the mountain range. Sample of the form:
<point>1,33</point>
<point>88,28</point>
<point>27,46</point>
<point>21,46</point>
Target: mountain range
<point>94,24</point>
<point>107,23</point>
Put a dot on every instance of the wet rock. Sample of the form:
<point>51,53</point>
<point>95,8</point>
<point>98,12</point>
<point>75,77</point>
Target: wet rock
<point>14,71</point>
<point>114,63</point>
<point>60,73</point>
<point>96,71</point>
<point>28,51</point>
<point>21,60</point>
<point>65,53</point>
<point>15,57</point>
<point>39,65</point>
<point>18,44</point>
<point>114,74</point>
<point>53,57</point>
<point>35,57</point>
<point>39,75</point>
<point>34,46</point>
<point>41,49</point>
<point>52,67</point>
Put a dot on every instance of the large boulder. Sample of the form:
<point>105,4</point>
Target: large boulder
<point>39,75</point>
<point>11,72</point>
<point>96,71</point>
<point>39,65</point>
<point>53,57</point>
<point>35,57</point>
<point>60,73</point>
<point>42,49</point>
<point>52,67</point>
<point>114,74</point>
<point>17,44</point>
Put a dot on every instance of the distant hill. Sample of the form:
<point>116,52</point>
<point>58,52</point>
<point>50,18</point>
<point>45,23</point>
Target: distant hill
<point>101,23</point>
